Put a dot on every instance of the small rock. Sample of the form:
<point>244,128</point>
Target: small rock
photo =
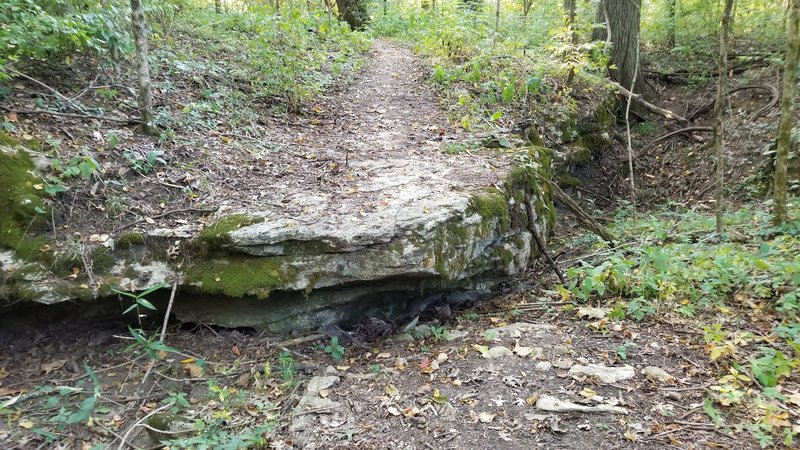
<point>603,374</point>
<point>593,313</point>
<point>497,352</point>
<point>317,384</point>
<point>563,363</point>
<point>550,403</point>
<point>658,374</point>
<point>543,366</point>
<point>456,334</point>
<point>516,330</point>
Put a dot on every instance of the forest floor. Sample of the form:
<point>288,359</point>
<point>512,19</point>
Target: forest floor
<point>524,370</point>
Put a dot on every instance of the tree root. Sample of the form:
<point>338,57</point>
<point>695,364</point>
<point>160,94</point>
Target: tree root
<point>671,134</point>
<point>764,87</point>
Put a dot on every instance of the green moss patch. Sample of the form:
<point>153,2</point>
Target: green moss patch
<point>217,236</point>
<point>491,205</point>
<point>19,201</point>
<point>241,276</point>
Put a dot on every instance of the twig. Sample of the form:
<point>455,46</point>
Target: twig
<point>539,241</point>
<point>138,422</point>
<point>58,94</point>
<point>169,308</point>
<point>164,214</point>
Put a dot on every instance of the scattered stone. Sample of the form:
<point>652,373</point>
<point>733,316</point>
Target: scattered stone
<point>518,329</point>
<point>589,312</point>
<point>550,403</point>
<point>317,384</point>
<point>658,374</point>
<point>486,417</point>
<point>455,335</point>
<point>543,366</point>
<point>497,352</point>
<point>563,363</point>
<point>603,374</point>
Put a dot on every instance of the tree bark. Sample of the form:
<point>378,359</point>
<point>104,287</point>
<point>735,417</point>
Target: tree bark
<point>784,140</point>
<point>719,111</point>
<point>218,6</point>
<point>622,25</point>
<point>139,31</point>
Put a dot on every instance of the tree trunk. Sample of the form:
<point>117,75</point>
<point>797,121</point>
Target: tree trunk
<point>719,110</point>
<point>672,7</point>
<point>787,105</point>
<point>139,31</point>
<point>218,6</point>
<point>569,17</point>
<point>622,25</point>
<point>354,12</point>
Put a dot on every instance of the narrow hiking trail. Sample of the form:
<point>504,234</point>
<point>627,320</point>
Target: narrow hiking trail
<point>516,373</point>
<point>383,130</point>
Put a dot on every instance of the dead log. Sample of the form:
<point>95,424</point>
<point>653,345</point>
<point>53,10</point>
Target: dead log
<point>649,106</point>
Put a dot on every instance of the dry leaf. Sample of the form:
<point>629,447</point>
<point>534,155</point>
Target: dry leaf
<point>53,365</point>
<point>194,370</point>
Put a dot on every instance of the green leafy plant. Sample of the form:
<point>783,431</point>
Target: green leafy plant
<point>144,163</point>
<point>335,349</point>
<point>287,367</point>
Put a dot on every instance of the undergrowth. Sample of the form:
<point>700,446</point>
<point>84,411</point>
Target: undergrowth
<point>741,291</point>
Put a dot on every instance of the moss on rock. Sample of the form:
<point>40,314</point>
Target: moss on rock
<point>216,236</point>
<point>239,276</point>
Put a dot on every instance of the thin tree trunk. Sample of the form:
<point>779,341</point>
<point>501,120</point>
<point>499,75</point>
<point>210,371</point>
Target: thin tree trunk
<point>569,12</point>
<point>630,145</point>
<point>672,6</point>
<point>218,6</point>
<point>139,31</point>
<point>719,111</point>
<point>496,23</point>
<point>787,105</point>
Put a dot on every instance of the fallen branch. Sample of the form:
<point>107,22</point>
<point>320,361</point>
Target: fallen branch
<point>539,241</point>
<point>583,217</point>
<point>138,423</point>
<point>57,94</point>
<point>75,115</point>
<point>169,308</point>
<point>773,91</point>
<point>301,340</point>
<point>673,133</point>
<point>649,106</point>
<point>164,214</point>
